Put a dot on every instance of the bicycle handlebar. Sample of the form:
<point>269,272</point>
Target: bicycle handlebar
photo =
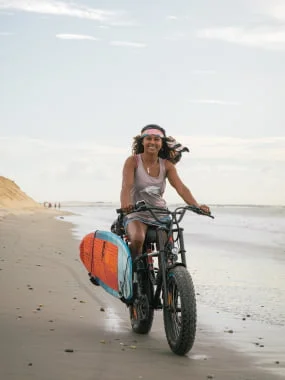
<point>141,206</point>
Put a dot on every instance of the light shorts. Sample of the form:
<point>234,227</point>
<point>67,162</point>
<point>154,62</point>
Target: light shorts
<point>149,222</point>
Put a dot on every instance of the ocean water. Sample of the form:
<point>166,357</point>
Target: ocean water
<point>237,260</point>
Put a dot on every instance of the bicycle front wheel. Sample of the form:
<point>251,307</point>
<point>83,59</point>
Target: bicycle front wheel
<point>180,313</point>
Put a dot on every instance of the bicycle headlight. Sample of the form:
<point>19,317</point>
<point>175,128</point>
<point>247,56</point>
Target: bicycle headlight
<point>174,251</point>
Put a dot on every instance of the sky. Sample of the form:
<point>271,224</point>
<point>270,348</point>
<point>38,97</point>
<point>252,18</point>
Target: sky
<point>79,79</point>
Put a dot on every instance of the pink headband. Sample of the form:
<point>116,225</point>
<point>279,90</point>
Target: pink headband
<point>153,131</point>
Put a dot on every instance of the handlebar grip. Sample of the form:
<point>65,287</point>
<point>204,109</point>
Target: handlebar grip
<point>198,210</point>
<point>139,206</point>
<point>205,213</point>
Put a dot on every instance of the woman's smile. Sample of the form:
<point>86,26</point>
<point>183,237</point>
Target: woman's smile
<point>152,143</point>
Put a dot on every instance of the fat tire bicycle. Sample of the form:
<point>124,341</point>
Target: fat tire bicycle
<point>167,286</point>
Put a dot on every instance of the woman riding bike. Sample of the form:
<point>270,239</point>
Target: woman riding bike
<point>144,178</point>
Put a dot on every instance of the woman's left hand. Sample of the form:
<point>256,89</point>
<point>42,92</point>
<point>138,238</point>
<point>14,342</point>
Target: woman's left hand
<point>205,208</point>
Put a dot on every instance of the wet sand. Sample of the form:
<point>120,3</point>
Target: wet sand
<point>54,324</point>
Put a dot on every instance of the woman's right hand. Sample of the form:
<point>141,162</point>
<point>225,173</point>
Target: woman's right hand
<point>127,207</point>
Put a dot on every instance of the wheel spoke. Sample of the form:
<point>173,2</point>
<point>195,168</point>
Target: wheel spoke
<point>175,308</point>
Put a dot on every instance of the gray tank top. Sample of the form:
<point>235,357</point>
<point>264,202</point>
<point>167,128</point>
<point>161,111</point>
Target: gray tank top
<point>148,188</point>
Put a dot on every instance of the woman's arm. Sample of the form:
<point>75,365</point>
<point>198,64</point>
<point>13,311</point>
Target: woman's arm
<point>179,186</point>
<point>127,183</point>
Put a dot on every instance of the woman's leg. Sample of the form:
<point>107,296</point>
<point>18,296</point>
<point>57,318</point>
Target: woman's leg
<point>136,232</point>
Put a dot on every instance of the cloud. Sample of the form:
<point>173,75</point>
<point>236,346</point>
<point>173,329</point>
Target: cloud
<point>5,34</point>
<point>58,8</point>
<point>214,102</point>
<point>87,170</point>
<point>15,149</point>
<point>175,18</point>
<point>24,144</point>
<point>204,72</point>
<point>3,13</point>
<point>61,168</point>
<point>128,44</point>
<point>178,36</point>
<point>271,149</point>
<point>274,8</point>
<point>76,37</point>
<point>267,37</point>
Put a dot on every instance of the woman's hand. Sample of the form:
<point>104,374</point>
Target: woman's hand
<point>127,207</point>
<point>205,208</point>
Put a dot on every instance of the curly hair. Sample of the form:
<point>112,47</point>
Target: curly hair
<point>167,150</point>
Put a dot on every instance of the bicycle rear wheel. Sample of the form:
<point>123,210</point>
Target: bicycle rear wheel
<point>180,312</point>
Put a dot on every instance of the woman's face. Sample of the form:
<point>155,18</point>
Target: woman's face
<point>152,144</point>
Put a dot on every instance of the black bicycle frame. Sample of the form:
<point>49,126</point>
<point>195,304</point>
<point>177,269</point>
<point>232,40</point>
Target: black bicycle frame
<point>164,246</point>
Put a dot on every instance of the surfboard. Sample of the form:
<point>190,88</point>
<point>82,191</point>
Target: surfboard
<point>107,258</point>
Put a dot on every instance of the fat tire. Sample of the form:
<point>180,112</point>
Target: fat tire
<point>181,342</point>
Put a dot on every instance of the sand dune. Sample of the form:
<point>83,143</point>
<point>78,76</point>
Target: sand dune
<point>11,196</point>
<point>14,200</point>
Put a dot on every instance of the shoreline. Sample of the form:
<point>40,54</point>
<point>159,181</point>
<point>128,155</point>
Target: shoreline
<point>50,306</point>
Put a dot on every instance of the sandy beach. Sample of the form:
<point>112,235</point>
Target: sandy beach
<point>54,324</point>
